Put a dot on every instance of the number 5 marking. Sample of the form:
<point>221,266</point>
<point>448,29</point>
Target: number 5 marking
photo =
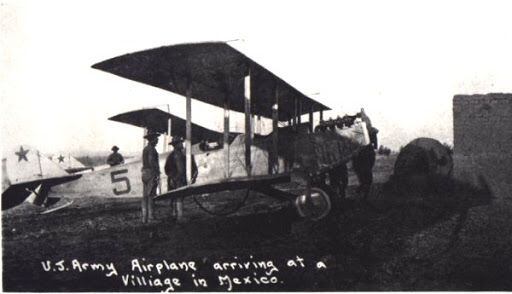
<point>120,179</point>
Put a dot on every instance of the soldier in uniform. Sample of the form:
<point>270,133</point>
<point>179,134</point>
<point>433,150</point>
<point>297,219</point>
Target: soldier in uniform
<point>176,171</point>
<point>115,158</point>
<point>364,160</point>
<point>150,175</point>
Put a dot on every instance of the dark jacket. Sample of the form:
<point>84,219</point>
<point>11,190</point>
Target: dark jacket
<point>115,159</point>
<point>176,170</point>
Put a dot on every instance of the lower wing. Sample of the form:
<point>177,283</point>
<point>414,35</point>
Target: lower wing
<point>226,185</point>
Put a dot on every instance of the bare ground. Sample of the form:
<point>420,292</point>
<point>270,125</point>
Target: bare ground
<point>454,237</point>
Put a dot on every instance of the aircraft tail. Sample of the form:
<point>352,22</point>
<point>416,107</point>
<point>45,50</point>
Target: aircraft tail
<point>35,192</point>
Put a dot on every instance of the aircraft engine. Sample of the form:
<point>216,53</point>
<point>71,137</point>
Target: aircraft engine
<point>317,208</point>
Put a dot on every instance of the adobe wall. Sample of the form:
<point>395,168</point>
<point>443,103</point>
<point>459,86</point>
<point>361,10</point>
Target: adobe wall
<point>482,124</point>
<point>482,129</point>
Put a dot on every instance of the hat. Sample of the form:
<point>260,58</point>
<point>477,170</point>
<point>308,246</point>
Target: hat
<point>175,140</point>
<point>114,148</point>
<point>151,134</point>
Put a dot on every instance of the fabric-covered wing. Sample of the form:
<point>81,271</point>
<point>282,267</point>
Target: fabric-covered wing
<point>226,185</point>
<point>157,120</point>
<point>214,72</point>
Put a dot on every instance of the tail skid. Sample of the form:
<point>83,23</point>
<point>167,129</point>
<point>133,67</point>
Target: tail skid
<point>57,208</point>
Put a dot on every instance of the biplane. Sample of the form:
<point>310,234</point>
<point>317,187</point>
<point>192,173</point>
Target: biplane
<point>227,161</point>
<point>218,74</point>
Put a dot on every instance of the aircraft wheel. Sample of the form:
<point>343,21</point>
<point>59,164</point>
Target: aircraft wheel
<point>317,208</point>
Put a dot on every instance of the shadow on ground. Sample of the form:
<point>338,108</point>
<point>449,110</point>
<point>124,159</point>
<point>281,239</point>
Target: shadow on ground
<point>395,241</point>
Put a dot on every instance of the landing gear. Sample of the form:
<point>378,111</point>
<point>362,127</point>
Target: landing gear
<point>318,200</point>
<point>314,205</point>
<point>334,182</point>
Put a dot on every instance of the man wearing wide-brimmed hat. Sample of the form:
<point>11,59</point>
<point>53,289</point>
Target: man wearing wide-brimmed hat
<point>115,158</point>
<point>176,171</point>
<point>364,160</point>
<point>150,175</point>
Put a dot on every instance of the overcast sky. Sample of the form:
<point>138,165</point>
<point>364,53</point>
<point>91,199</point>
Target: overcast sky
<point>402,61</point>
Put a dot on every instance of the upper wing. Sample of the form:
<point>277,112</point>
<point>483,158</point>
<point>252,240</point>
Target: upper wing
<point>157,120</point>
<point>235,183</point>
<point>213,73</point>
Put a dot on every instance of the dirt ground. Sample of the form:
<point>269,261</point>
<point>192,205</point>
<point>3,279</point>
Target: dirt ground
<point>453,237</point>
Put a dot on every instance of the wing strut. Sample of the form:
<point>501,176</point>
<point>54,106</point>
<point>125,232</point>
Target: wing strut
<point>247,85</point>
<point>299,121</point>
<point>188,146</point>
<point>311,119</point>
<point>226,129</point>
<point>295,113</point>
<point>168,136</point>
<point>274,163</point>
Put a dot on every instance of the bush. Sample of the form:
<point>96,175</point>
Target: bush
<point>383,150</point>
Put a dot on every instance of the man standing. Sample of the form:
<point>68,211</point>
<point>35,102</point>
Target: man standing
<point>176,171</point>
<point>115,158</point>
<point>364,160</point>
<point>150,175</point>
